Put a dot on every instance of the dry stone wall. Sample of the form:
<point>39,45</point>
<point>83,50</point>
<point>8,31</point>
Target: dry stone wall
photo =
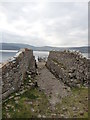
<point>14,70</point>
<point>70,67</point>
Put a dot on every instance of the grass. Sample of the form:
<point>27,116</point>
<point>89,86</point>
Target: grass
<point>29,95</point>
<point>30,104</point>
<point>33,103</point>
<point>78,101</point>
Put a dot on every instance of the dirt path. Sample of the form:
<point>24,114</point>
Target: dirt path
<point>54,88</point>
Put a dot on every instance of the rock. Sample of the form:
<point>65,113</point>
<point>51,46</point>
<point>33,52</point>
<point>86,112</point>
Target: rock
<point>53,114</point>
<point>43,116</point>
<point>17,94</point>
<point>68,89</point>
<point>32,110</point>
<point>14,110</point>
<point>29,103</point>
<point>16,102</point>
<point>29,73</point>
<point>11,97</point>
<point>16,98</point>
<point>86,98</point>
<point>78,85</point>
<point>78,108</point>
<point>39,116</point>
<point>71,80</point>
<point>64,109</point>
<point>8,105</point>
<point>75,115</point>
<point>29,76</point>
<point>8,115</point>
<point>30,84</point>
<point>74,108</point>
<point>22,84</point>
<point>81,113</point>
<point>12,106</point>
<point>62,115</point>
<point>21,92</point>
<point>29,81</point>
<point>64,87</point>
<point>18,110</point>
<point>86,110</point>
<point>6,108</point>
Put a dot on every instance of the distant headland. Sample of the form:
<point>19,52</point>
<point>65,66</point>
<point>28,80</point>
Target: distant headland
<point>17,46</point>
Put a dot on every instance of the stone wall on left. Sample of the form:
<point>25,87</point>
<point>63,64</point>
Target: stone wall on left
<point>14,70</point>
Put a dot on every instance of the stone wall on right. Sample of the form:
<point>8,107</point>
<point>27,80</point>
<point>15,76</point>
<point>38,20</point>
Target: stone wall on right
<point>70,67</point>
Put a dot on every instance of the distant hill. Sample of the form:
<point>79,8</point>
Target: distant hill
<point>16,46</point>
<point>13,46</point>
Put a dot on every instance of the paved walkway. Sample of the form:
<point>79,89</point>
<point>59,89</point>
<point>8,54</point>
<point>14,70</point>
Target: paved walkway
<point>54,88</point>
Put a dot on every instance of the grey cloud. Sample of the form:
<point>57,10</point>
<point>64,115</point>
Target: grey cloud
<point>66,22</point>
<point>33,40</point>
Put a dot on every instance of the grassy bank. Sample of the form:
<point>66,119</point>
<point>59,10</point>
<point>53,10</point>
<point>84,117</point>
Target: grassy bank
<point>74,106</point>
<point>33,103</point>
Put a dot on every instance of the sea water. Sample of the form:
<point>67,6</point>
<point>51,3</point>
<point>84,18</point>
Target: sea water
<point>7,54</point>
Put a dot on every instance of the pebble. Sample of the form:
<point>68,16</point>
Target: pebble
<point>22,92</point>
<point>22,84</point>
<point>11,97</point>
<point>14,110</point>
<point>64,109</point>
<point>62,115</point>
<point>29,76</point>
<point>31,84</point>
<point>64,87</point>
<point>43,116</point>
<point>81,113</point>
<point>17,94</point>
<point>32,110</point>
<point>53,114</point>
<point>74,115</point>
<point>30,103</point>
<point>87,98</point>
<point>8,115</point>
<point>57,93</point>
<point>6,108</point>
<point>68,89</point>
<point>39,116</point>
<point>16,98</point>
<point>74,108</point>
<point>8,105</point>
<point>30,81</point>
<point>86,110</point>
<point>16,102</point>
<point>78,85</point>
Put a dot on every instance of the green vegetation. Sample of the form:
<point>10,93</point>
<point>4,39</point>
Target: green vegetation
<point>30,104</point>
<point>75,105</point>
<point>33,103</point>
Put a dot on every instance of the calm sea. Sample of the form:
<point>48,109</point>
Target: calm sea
<point>7,54</point>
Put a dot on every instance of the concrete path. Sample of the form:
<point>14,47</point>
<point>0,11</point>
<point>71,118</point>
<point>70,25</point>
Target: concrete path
<point>54,88</point>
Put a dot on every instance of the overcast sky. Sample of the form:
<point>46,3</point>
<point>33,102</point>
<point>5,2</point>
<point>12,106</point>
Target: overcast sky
<point>44,24</point>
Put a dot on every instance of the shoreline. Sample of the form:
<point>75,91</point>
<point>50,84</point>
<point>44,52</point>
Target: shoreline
<point>5,58</point>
